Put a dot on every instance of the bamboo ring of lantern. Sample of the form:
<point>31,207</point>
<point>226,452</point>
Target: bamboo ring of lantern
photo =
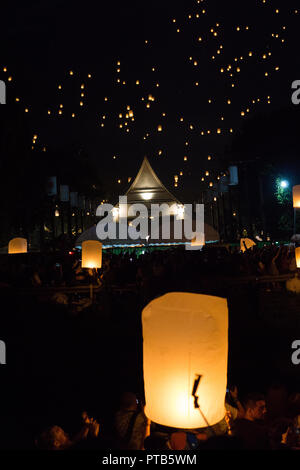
<point>296,196</point>
<point>17,245</point>
<point>185,335</point>
<point>91,254</point>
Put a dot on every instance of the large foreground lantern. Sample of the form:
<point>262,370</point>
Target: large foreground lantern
<point>296,196</point>
<point>17,245</point>
<point>91,254</point>
<point>297,256</point>
<point>185,336</point>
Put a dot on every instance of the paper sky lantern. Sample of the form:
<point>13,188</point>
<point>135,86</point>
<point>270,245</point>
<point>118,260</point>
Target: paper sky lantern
<point>17,245</point>
<point>296,196</point>
<point>91,254</point>
<point>185,335</point>
<point>297,256</point>
<point>248,242</point>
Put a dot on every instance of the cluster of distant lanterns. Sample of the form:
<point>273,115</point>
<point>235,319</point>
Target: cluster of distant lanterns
<point>227,69</point>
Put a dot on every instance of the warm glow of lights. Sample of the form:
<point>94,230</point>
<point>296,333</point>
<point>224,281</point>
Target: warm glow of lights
<point>17,245</point>
<point>115,213</point>
<point>248,242</point>
<point>185,335</point>
<point>147,196</point>
<point>296,196</point>
<point>91,254</point>
<point>297,256</point>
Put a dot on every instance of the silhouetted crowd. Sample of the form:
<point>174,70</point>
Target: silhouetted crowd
<point>254,422</point>
<point>251,421</point>
<point>48,270</point>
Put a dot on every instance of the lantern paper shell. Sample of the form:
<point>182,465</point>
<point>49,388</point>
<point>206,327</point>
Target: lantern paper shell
<point>185,335</point>
<point>297,256</point>
<point>296,196</point>
<point>91,254</point>
<point>17,245</point>
<point>248,242</point>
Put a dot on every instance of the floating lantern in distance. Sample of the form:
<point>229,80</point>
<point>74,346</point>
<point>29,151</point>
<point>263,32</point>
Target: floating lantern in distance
<point>17,245</point>
<point>297,256</point>
<point>185,335</point>
<point>296,196</point>
<point>91,254</point>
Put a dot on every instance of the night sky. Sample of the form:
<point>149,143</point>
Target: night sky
<point>199,69</point>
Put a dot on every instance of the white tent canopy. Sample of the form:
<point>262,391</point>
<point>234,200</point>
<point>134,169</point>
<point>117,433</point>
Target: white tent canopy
<point>148,189</point>
<point>211,235</point>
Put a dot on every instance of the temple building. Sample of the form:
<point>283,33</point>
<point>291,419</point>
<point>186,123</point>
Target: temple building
<point>147,189</point>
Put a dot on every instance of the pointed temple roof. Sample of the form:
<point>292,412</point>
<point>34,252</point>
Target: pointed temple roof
<point>148,187</point>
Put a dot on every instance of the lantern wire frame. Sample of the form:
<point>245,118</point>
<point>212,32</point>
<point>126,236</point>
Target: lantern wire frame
<point>196,404</point>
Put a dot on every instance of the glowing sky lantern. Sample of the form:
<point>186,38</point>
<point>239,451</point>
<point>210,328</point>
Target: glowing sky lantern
<point>296,196</point>
<point>297,256</point>
<point>248,242</point>
<point>17,245</point>
<point>91,254</point>
<point>185,336</point>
